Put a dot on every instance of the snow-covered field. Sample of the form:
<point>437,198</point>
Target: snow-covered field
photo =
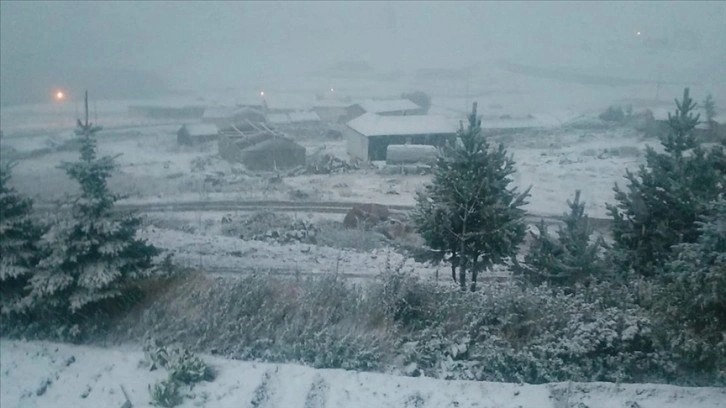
<point>42,374</point>
<point>555,161</point>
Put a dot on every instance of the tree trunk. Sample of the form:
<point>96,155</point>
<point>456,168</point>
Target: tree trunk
<point>462,274</point>
<point>453,266</point>
<point>474,272</point>
<point>462,256</point>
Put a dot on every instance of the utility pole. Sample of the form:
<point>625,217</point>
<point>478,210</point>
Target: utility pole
<point>86,128</point>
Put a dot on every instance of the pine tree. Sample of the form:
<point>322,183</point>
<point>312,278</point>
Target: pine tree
<point>469,214</point>
<point>19,238</point>
<point>570,258</point>
<point>693,304</point>
<point>666,196</point>
<point>94,255</point>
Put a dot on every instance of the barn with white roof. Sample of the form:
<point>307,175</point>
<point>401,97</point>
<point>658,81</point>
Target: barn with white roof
<point>370,135</point>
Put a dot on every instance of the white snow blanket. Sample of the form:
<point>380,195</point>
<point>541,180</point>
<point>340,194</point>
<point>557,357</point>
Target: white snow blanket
<point>41,374</point>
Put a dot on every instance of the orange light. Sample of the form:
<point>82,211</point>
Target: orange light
<point>60,95</point>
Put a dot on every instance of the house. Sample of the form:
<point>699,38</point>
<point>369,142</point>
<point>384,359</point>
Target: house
<point>369,135</point>
<point>196,134</point>
<point>333,111</point>
<point>261,151</point>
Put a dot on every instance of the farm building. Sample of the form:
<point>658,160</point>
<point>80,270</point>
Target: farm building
<point>331,110</point>
<point>387,107</point>
<point>196,134</point>
<point>263,151</point>
<point>369,135</point>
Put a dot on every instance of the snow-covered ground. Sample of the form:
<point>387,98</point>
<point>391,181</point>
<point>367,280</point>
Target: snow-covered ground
<point>230,255</point>
<point>42,374</point>
<point>153,168</point>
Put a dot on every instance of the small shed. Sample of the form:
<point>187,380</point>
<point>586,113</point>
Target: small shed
<point>197,134</point>
<point>277,153</point>
<point>262,151</point>
<point>370,135</point>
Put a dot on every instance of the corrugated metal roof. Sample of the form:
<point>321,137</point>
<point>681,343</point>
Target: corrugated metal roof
<point>370,124</point>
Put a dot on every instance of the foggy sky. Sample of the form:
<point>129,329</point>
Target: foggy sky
<point>178,45</point>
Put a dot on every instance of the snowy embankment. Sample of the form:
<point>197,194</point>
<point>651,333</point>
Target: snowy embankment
<point>229,255</point>
<point>41,374</point>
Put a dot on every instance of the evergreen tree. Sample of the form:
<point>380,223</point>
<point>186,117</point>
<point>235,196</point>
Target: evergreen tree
<point>94,254</point>
<point>19,238</point>
<point>693,304</point>
<point>666,196</point>
<point>570,258</point>
<point>709,106</point>
<point>469,214</point>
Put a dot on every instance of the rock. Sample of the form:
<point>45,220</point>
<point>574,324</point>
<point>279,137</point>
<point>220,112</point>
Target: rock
<point>43,387</point>
<point>366,215</point>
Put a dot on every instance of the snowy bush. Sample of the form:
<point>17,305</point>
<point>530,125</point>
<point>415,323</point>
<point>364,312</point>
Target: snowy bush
<point>165,393</point>
<point>183,367</point>
<point>512,333</point>
<point>504,332</point>
<point>613,114</point>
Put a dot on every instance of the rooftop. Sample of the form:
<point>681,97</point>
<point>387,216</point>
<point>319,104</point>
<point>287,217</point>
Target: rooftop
<point>370,124</point>
<point>387,105</point>
<point>292,117</point>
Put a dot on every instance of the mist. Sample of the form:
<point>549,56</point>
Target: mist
<point>146,49</point>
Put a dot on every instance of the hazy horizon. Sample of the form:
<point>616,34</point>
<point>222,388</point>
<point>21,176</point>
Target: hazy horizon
<point>139,49</point>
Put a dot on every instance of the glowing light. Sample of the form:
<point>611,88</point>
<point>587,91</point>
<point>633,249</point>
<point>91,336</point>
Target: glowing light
<point>637,33</point>
<point>60,95</point>
<point>262,93</point>
<point>332,90</point>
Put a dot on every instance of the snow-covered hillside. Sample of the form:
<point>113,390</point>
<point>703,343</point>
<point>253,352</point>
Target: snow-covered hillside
<point>40,374</point>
